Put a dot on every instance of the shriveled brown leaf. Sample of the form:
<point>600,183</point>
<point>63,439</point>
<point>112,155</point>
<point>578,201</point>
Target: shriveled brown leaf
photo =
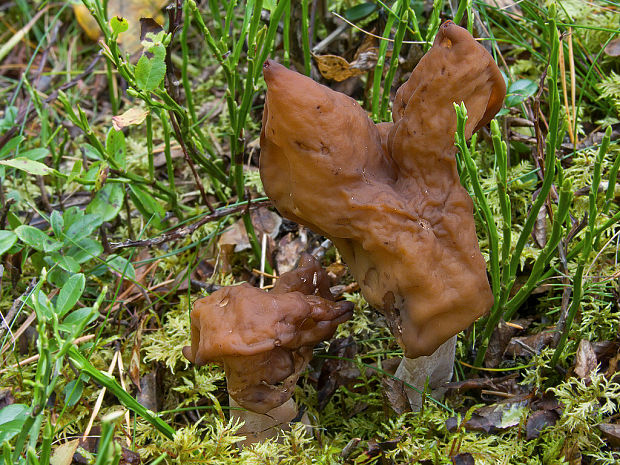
<point>289,249</point>
<point>132,117</point>
<point>367,54</point>
<point>613,48</point>
<point>495,384</point>
<point>539,232</point>
<point>131,10</point>
<point>335,68</point>
<point>134,363</point>
<point>336,372</point>
<point>585,360</point>
<point>538,421</point>
<point>529,345</point>
<point>149,395</point>
<point>395,394</point>
<point>495,417</point>
<point>6,397</point>
<point>500,338</point>
<point>336,271</point>
<point>611,431</point>
<point>463,459</point>
<point>264,221</point>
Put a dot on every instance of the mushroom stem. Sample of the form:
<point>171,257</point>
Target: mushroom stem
<point>258,427</point>
<point>437,368</point>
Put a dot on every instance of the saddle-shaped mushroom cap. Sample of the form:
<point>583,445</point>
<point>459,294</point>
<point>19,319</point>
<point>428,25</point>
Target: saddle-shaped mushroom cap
<point>389,195</point>
<point>265,339</point>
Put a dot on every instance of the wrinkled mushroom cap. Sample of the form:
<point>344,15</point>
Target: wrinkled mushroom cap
<point>389,195</point>
<point>265,340</point>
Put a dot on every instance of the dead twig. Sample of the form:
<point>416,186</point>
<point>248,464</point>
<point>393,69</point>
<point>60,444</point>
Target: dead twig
<point>185,231</point>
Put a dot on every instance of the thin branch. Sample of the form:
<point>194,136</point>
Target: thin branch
<point>185,231</point>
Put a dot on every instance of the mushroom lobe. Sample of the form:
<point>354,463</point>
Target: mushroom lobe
<point>389,195</point>
<point>265,339</point>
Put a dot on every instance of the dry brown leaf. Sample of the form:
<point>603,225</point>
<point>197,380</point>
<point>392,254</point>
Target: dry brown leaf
<point>585,360</point>
<point>132,10</point>
<point>395,394</point>
<point>265,222</point>
<point>131,117</point>
<point>335,67</point>
<point>134,363</point>
<point>611,431</point>
<point>63,454</point>
<point>613,48</point>
<point>289,250</point>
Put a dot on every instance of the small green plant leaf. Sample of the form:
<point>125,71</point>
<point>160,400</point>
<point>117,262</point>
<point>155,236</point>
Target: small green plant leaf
<point>122,266</point>
<point>107,202</point>
<point>78,319</point>
<point>37,239</point>
<point>116,148</point>
<point>35,154</point>
<point>12,418</point>
<point>7,240</point>
<point>57,223</point>
<point>65,261</point>
<point>151,71</point>
<point>73,393</point>
<point>119,24</point>
<point>70,294</point>
<point>27,165</point>
<point>360,11</point>
<point>82,227</point>
<point>147,205</point>
<point>84,250</point>
<point>520,90</point>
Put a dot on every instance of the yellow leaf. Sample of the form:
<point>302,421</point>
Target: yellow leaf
<point>335,67</point>
<point>132,10</point>
<point>133,116</point>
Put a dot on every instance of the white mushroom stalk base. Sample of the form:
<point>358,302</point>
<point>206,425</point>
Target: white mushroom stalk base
<point>437,368</point>
<point>258,427</point>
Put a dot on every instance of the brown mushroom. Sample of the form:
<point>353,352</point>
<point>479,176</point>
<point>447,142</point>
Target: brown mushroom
<point>264,341</point>
<point>389,195</point>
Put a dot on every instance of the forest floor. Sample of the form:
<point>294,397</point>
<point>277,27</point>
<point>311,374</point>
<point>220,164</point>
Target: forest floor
<point>129,179</point>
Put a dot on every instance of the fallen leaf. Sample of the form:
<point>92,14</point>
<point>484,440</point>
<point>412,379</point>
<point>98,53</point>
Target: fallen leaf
<point>335,68</point>
<point>148,395</point>
<point>539,232</point>
<point>336,372</point>
<point>463,459</point>
<point>500,338</point>
<point>538,421</point>
<point>264,221</point>
<point>611,431</point>
<point>134,362</point>
<point>494,384</point>
<point>395,394</point>
<point>528,346</point>
<point>63,454</point>
<point>585,360</point>
<point>132,10</point>
<point>613,48</point>
<point>495,417</point>
<point>289,249</point>
<point>6,398</point>
<point>132,117</point>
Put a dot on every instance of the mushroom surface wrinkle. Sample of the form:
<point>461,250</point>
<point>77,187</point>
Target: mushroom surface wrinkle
<point>265,339</point>
<point>389,195</point>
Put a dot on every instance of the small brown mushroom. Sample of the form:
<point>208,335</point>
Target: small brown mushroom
<point>264,341</point>
<point>389,195</point>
